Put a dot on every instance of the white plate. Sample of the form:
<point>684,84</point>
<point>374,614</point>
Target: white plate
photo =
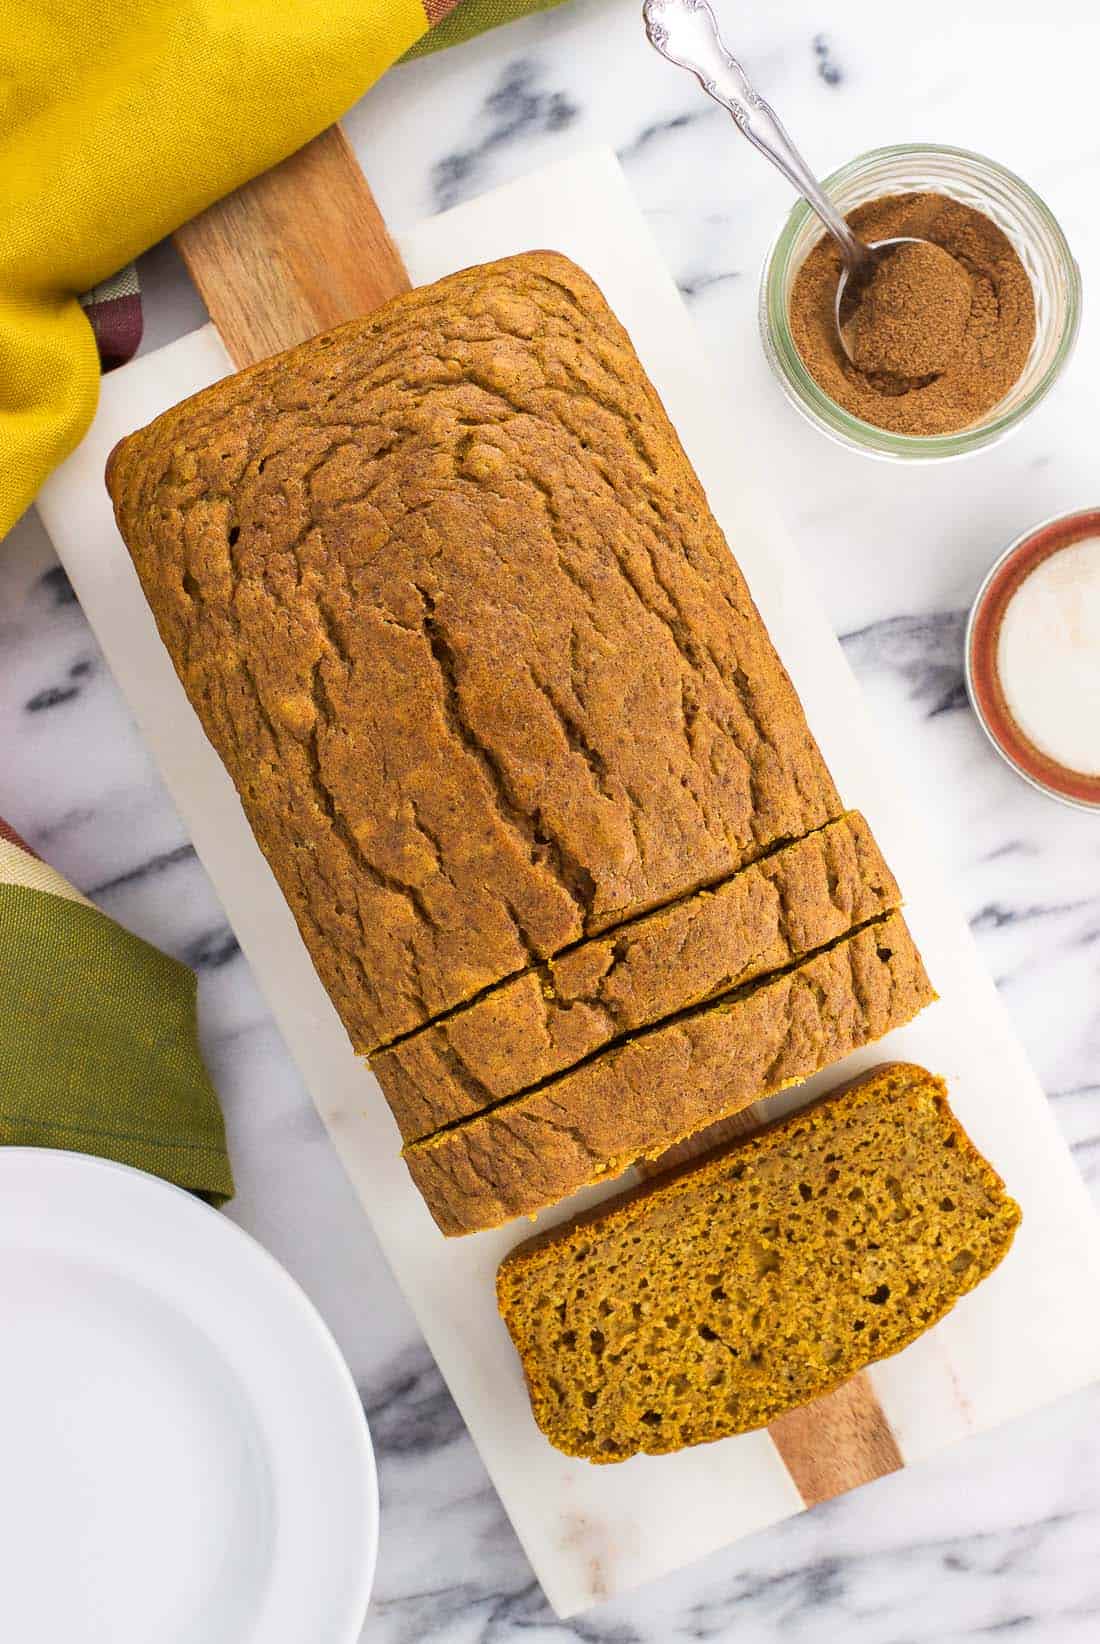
<point>183,1454</point>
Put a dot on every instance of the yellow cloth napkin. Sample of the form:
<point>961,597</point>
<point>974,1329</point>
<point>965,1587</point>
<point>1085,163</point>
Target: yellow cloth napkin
<point>121,119</point>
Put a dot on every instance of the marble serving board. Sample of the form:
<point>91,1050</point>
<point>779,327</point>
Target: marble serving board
<point>1023,1338</point>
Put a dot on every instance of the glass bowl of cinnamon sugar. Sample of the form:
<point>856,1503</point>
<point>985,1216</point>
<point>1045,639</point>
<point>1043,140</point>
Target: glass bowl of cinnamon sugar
<point>901,190</point>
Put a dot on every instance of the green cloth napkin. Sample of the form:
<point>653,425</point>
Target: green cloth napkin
<point>98,1042</point>
<point>472,17</point>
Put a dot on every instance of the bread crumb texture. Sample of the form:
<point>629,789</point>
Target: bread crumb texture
<point>452,608</point>
<point>710,1302</point>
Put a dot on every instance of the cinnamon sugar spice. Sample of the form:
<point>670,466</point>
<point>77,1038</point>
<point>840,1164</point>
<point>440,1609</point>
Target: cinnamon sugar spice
<point>910,318</point>
<point>939,339</point>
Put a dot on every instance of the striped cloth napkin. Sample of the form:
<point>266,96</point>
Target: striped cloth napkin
<point>114,313</point>
<point>98,1045</point>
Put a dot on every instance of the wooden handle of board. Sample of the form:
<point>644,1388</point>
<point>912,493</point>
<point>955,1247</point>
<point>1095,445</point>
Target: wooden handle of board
<point>840,1440</point>
<point>296,251</point>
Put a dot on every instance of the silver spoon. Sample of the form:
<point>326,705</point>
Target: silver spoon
<point>686,32</point>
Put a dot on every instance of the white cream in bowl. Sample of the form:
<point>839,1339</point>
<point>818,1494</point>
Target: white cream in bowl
<point>1048,656</point>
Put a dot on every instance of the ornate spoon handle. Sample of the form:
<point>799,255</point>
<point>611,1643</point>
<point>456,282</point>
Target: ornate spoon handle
<point>686,32</point>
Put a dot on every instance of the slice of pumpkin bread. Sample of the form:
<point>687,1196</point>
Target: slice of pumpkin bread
<point>547,1019</point>
<point>645,1093</point>
<point>712,1300</point>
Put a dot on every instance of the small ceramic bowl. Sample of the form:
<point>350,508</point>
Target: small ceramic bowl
<point>977,182</point>
<point>983,682</point>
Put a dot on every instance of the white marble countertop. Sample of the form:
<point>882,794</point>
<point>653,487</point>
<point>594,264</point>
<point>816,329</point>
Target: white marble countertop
<point>1000,1535</point>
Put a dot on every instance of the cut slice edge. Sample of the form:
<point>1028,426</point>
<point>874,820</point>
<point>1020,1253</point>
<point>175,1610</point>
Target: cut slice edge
<point>545,1020</point>
<point>647,1093</point>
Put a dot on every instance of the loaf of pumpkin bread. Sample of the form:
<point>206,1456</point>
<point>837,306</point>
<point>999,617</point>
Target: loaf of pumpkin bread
<point>648,1092</point>
<point>452,608</point>
<point>801,897</point>
<point>712,1300</point>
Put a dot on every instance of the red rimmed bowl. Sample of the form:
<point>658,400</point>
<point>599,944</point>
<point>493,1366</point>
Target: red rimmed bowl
<point>983,681</point>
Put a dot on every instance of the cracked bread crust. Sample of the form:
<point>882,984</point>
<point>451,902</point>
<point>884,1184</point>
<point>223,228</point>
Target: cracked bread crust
<point>712,1300</point>
<point>644,1095</point>
<point>452,608</point>
<point>800,898</point>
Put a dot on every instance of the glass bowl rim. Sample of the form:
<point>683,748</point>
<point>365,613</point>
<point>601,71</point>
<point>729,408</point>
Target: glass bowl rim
<point>821,408</point>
